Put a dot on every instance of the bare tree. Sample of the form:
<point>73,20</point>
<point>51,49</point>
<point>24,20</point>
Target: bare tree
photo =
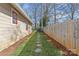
<point>35,17</point>
<point>54,13</point>
<point>73,9</point>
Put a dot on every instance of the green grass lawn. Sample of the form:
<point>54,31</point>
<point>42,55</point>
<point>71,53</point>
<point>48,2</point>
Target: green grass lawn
<point>22,46</point>
<point>27,48</point>
<point>48,49</point>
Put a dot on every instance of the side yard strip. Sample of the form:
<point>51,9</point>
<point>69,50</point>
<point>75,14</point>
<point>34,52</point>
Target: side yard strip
<point>20,48</point>
<point>38,40</point>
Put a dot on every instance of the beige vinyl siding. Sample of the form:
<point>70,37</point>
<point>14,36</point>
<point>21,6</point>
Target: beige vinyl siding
<point>9,32</point>
<point>5,26</point>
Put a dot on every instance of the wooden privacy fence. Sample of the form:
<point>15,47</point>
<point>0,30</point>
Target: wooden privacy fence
<point>66,33</point>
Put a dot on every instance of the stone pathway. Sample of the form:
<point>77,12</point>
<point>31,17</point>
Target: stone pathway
<point>38,46</point>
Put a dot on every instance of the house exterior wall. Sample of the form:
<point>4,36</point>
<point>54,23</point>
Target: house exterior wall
<point>9,32</point>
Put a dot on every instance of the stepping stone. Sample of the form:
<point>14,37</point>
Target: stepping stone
<point>37,50</point>
<point>37,42</point>
<point>38,36</point>
<point>38,45</point>
<point>38,39</point>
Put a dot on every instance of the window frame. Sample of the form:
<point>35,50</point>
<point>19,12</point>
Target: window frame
<point>26,26</point>
<point>14,17</point>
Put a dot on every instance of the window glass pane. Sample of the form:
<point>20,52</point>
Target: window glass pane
<point>26,27</point>
<point>14,17</point>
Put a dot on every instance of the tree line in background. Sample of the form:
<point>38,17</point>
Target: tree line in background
<point>42,13</point>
